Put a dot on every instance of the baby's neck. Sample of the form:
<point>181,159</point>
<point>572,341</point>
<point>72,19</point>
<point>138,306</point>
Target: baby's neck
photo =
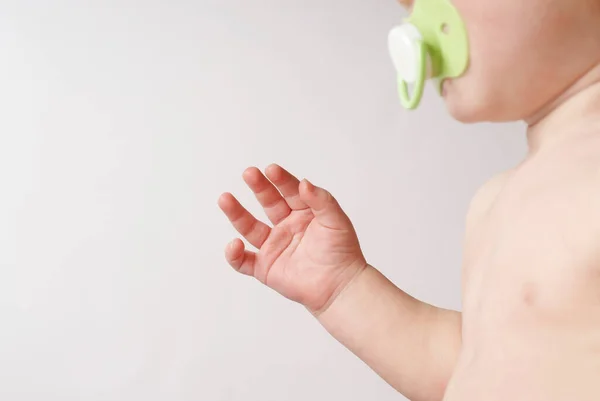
<point>576,112</point>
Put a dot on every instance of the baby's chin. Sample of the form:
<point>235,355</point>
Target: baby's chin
<point>461,105</point>
<point>451,96</point>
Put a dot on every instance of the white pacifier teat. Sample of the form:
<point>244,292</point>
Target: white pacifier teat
<point>404,51</point>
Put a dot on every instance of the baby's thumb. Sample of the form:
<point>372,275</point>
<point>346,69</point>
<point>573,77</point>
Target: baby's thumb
<point>326,209</point>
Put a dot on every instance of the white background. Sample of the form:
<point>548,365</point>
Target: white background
<point>121,122</point>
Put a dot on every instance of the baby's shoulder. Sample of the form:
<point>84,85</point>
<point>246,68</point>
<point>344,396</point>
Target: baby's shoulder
<point>485,196</point>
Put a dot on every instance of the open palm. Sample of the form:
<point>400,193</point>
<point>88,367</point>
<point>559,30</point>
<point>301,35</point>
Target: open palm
<point>309,254</point>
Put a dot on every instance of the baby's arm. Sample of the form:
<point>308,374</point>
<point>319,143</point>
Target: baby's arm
<point>312,255</point>
<point>412,345</point>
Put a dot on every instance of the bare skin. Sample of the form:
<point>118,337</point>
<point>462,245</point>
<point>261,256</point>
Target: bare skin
<point>531,318</point>
<point>530,325</point>
<point>311,254</point>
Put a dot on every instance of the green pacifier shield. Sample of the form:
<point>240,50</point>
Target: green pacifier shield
<point>439,48</point>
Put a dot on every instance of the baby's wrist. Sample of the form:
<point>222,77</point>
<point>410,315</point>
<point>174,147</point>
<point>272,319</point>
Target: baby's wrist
<point>358,271</point>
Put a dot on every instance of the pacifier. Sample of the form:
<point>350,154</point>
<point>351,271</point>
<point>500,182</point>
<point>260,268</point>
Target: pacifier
<point>431,44</point>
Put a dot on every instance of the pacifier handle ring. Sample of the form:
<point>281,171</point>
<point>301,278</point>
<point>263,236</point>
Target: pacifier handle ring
<point>411,102</point>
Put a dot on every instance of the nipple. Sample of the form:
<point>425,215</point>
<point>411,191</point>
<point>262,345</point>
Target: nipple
<point>431,44</point>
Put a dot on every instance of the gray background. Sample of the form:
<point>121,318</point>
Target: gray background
<point>122,122</point>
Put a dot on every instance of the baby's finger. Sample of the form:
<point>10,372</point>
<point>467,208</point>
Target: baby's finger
<point>268,196</point>
<point>287,184</point>
<point>255,231</point>
<point>241,260</point>
<point>325,207</point>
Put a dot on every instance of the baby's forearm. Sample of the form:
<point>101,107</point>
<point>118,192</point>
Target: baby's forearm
<point>410,344</point>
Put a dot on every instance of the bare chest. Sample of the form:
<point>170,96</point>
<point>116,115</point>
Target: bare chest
<point>531,290</point>
<point>533,251</point>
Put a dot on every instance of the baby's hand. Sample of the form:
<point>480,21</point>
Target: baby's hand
<point>310,254</point>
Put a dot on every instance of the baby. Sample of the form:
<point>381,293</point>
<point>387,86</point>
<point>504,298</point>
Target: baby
<point>530,325</point>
